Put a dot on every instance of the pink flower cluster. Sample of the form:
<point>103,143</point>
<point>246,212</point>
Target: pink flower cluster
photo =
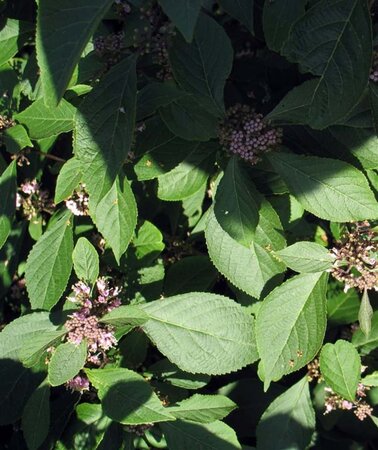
<point>374,70</point>
<point>78,202</point>
<point>361,409</point>
<point>79,383</point>
<point>245,133</point>
<point>33,200</point>
<point>123,7</point>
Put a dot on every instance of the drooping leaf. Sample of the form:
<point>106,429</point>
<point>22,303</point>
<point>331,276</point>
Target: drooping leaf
<point>306,257</point>
<point>185,328</point>
<point>66,362</point>
<point>237,204</point>
<point>85,260</point>
<point>125,315</point>
<point>126,397</point>
<point>341,61</point>
<point>68,179</point>
<point>43,121</point>
<point>367,343</point>
<point>36,417</point>
<point>203,408</point>
<point>13,35</point>
<point>290,325</point>
<point>116,216</point>
<point>49,265</point>
<point>16,139</point>
<point>8,189</point>
<point>291,416</point>
<point>328,188</point>
<point>365,314</point>
<point>183,14</point>
<point>241,10</point>
<point>104,128</point>
<point>340,365</point>
<point>203,66</point>
<point>63,30</point>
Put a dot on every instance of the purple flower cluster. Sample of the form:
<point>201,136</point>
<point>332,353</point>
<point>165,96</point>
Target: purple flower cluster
<point>110,47</point>
<point>78,202</point>
<point>374,69</point>
<point>123,8</point>
<point>79,383</point>
<point>33,200</point>
<point>360,408</point>
<point>245,133</point>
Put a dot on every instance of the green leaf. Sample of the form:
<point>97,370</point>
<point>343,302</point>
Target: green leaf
<point>13,36</point>
<point>183,14</point>
<point>289,421</point>
<point>306,257</point>
<point>148,241</point>
<point>342,307</point>
<point>68,179</point>
<point>340,365</point>
<point>365,314</point>
<point>36,417</point>
<point>373,100</point>
<point>43,121</point>
<point>66,362</point>
<point>203,66</point>
<point>49,265</point>
<point>371,379</point>
<point>237,203</point>
<point>341,60</point>
<point>104,128</point>
<point>203,408</point>
<point>8,189</point>
<point>328,188</point>
<point>125,315</point>
<point>248,269</point>
<point>16,139</point>
<point>63,30</point>
<point>185,328</point>
<point>367,344</point>
<point>291,324</point>
<point>241,10</point>
<point>189,176</point>
<point>126,397</point>
<point>85,260</point>
<point>116,216</point>
<point>277,31</point>
<point>182,435</point>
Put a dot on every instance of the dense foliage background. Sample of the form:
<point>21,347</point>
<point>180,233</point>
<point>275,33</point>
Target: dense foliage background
<point>188,210</point>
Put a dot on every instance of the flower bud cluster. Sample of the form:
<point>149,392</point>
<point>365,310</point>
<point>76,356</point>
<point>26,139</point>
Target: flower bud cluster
<point>33,200</point>
<point>6,123</point>
<point>78,202</point>
<point>355,256</point>
<point>245,133</point>
<point>139,430</point>
<point>110,47</point>
<point>123,8</point>
<point>360,408</point>
<point>374,69</point>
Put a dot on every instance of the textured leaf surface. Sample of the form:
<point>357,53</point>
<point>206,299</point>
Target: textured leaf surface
<point>290,325</point>
<point>8,188</point>
<point>13,35</point>
<point>43,121</point>
<point>328,188</point>
<point>68,179</point>
<point>49,265</point>
<point>183,14</point>
<point>85,260</point>
<point>306,257</point>
<point>237,203</point>
<point>66,362</point>
<point>333,41</point>
<point>291,416</point>
<point>63,30</point>
<point>116,216</point>
<point>185,328</point>
<point>340,365</point>
<point>241,10</point>
<point>248,269</point>
<point>125,315</point>
<point>126,397</point>
<point>104,128</point>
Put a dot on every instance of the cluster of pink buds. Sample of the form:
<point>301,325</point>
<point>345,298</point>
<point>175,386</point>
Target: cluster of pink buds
<point>85,323</point>
<point>245,133</point>
<point>79,383</point>
<point>78,202</point>
<point>374,69</point>
<point>356,258</point>
<point>110,47</point>
<point>33,200</point>
<point>360,408</point>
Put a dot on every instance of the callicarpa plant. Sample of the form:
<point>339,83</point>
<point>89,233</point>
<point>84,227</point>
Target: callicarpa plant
<point>188,224</point>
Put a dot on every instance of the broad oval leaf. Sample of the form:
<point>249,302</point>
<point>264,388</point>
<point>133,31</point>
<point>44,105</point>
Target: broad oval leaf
<point>185,328</point>
<point>306,257</point>
<point>85,260</point>
<point>49,265</point>
<point>291,324</point>
<point>126,397</point>
<point>125,315</point>
<point>8,189</point>
<point>183,14</point>
<point>340,365</point>
<point>66,362</point>
<point>328,188</point>
<point>68,179</point>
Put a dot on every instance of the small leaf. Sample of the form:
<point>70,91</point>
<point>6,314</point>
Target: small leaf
<point>364,343</point>
<point>126,397</point>
<point>183,14</point>
<point>85,261</point>
<point>125,315</point>
<point>8,189</point>
<point>291,416</point>
<point>203,408</point>
<point>191,321</point>
<point>371,379</point>
<point>36,417</point>
<point>49,265</point>
<point>68,179</point>
<point>13,35</point>
<point>365,314</point>
<point>148,241</point>
<point>340,365</point>
<point>66,362</point>
<point>16,139</point>
<point>116,216</point>
<point>306,257</point>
